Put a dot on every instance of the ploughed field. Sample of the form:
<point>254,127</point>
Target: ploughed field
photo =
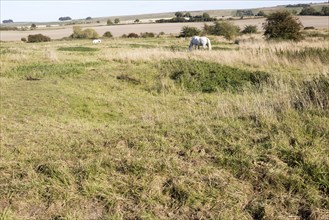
<point>144,129</point>
<point>168,28</point>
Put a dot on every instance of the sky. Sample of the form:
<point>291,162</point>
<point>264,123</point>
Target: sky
<point>51,10</point>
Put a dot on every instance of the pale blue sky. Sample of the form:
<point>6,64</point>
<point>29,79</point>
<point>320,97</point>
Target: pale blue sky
<point>51,10</point>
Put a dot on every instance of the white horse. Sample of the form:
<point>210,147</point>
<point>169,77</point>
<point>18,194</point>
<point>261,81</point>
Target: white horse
<point>200,41</point>
<point>97,41</point>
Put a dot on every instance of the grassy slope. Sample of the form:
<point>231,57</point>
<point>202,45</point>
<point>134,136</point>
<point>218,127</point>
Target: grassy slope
<point>108,133</point>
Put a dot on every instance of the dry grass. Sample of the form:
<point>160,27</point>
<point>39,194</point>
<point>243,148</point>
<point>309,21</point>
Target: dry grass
<point>83,143</point>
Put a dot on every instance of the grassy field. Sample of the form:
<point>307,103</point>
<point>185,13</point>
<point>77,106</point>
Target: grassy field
<point>144,129</point>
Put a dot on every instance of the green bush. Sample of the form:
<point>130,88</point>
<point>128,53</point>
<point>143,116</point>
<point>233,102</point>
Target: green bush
<point>201,76</point>
<point>189,31</point>
<point>88,33</point>
<point>108,34</point>
<point>223,28</point>
<point>132,35</point>
<point>109,22</point>
<point>147,35</point>
<point>282,25</point>
<point>34,38</point>
<point>249,29</point>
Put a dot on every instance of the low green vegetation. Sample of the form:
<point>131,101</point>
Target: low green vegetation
<point>201,76</point>
<point>78,49</point>
<point>144,129</point>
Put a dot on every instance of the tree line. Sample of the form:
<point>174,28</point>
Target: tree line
<point>187,17</point>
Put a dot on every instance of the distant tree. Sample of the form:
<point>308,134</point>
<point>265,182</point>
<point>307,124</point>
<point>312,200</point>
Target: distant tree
<point>325,11</point>
<point>67,18</point>
<point>261,13</point>
<point>240,13</point>
<point>88,18</point>
<point>307,11</point>
<point>249,29</point>
<point>189,31</point>
<point>282,25</point>
<point>33,26</point>
<point>117,20</point>
<point>8,21</point>
<point>226,29</point>
<point>206,15</point>
<point>109,22</point>
<point>179,14</point>
<point>187,14</point>
<point>136,21</point>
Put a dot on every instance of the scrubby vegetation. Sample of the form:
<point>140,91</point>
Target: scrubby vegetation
<point>133,35</point>
<point>82,34</point>
<point>187,17</point>
<point>189,31</point>
<point>144,129</point>
<point>108,34</point>
<point>147,35</point>
<point>222,28</point>
<point>35,38</point>
<point>312,11</point>
<point>249,29</point>
<point>282,25</point>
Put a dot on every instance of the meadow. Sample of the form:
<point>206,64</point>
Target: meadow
<point>145,129</point>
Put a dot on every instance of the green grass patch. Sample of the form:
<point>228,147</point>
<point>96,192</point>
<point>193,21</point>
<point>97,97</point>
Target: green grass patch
<point>78,49</point>
<point>203,76</point>
<point>40,70</point>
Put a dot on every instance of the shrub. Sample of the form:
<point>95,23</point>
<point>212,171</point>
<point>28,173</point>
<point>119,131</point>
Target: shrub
<point>189,31</point>
<point>23,39</point>
<point>249,29</point>
<point>202,76</point>
<point>147,35</point>
<point>109,22</point>
<point>117,20</point>
<point>226,29</point>
<point>107,34</point>
<point>282,25</point>
<point>37,38</point>
<point>132,35</point>
<point>82,34</point>
<point>309,28</point>
<point>33,26</point>
<point>261,13</point>
<point>136,21</point>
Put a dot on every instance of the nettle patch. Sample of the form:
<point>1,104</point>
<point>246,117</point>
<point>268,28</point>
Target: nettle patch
<point>208,77</point>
